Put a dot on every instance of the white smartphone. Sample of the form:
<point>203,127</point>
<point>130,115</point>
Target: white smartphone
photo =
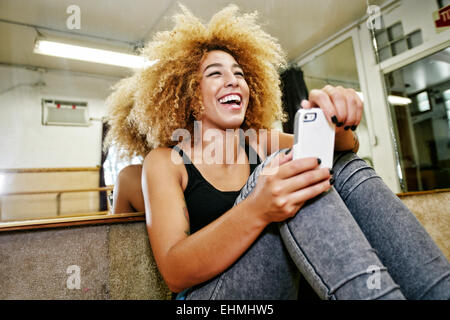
<point>313,136</point>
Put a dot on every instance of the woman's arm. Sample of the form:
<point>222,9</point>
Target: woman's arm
<point>127,190</point>
<point>344,140</point>
<point>185,260</point>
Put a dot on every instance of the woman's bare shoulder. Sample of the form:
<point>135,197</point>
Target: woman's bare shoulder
<point>163,161</point>
<point>159,155</point>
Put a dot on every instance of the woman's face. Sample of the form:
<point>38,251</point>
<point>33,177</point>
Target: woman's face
<point>224,91</point>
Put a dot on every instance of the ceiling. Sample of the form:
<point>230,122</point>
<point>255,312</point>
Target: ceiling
<point>298,24</point>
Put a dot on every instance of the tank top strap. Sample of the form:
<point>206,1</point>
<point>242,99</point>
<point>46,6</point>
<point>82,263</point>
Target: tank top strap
<point>252,156</point>
<point>194,175</point>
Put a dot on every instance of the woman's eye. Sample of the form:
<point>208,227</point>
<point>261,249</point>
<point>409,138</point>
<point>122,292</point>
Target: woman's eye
<point>214,73</point>
<point>239,74</point>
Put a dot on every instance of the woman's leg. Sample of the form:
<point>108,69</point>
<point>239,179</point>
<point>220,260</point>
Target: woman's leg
<point>326,244</point>
<point>333,254</point>
<point>330,249</point>
<point>403,245</point>
<point>264,272</point>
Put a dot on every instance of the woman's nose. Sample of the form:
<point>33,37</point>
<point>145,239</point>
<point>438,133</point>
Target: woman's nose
<point>231,80</point>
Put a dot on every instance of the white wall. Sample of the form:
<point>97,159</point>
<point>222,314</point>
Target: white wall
<point>413,14</point>
<point>25,142</point>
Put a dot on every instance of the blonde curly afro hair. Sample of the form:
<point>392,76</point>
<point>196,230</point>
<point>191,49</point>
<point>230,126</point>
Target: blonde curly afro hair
<point>146,108</point>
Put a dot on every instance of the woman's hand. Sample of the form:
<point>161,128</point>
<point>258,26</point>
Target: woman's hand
<point>285,185</point>
<point>341,106</point>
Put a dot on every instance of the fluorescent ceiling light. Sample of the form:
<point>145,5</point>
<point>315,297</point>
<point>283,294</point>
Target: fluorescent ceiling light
<point>399,101</point>
<point>395,100</point>
<point>69,51</point>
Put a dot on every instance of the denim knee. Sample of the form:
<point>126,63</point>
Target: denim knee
<point>349,172</point>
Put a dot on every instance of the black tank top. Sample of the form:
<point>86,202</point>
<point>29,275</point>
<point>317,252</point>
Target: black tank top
<point>204,202</point>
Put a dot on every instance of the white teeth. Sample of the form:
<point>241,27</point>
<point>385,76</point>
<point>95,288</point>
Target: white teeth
<point>230,98</point>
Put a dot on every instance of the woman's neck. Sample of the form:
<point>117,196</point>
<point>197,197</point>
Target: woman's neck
<point>217,146</point>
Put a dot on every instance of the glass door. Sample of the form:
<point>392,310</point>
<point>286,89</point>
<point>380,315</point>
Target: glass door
<point>421,113</point>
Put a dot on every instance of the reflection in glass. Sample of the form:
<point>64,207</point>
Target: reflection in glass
<point>113,164</point>
<point>422,126</point>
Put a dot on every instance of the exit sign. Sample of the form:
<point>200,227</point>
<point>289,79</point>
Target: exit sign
<point>442,18</point>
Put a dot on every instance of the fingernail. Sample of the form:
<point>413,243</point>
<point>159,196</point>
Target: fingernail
<point>354,128</point>
<point>334,119</point>
<point>287,151</point>
<point>331,171</point>
<point>347,127</point>
<point>319,161</point>
<point>331,181</point>
<point>340,124</point>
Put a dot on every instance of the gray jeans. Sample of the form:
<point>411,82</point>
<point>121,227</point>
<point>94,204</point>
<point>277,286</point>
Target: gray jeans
<point>356,241</point>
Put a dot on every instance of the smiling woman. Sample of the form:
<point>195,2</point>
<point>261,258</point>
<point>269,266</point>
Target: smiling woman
<point>210,223</point>
<point>229,213</point>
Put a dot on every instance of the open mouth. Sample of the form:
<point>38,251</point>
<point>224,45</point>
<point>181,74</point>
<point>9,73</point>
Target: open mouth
<point>231,101</point>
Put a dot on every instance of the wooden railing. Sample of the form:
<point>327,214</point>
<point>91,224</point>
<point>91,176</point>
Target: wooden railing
<point>40,170</point>
<point>58,194</point>
<point>61,219</point>
<point>97,217</point>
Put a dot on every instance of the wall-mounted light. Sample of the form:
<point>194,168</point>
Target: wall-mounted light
<point>70,51</point>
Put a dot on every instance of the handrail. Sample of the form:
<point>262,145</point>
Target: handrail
<point>100,217</point>
<point>39,170</point>
<point>417,193</point>
<point>22,193</point>
<point>58,194</point>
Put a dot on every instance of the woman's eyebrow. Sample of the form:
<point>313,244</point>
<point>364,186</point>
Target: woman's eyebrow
<point>235,65</point>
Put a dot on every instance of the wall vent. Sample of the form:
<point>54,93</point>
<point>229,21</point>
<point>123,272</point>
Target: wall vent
<point>64,113</point>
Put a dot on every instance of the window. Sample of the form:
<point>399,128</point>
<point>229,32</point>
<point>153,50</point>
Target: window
<point>392,41</point>
<point>113,165</point>
<point>423,102</point>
